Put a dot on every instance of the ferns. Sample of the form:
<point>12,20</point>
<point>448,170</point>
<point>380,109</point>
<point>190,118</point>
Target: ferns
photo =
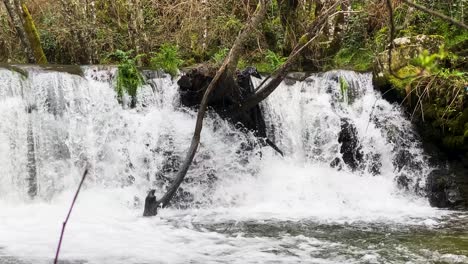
<point>128,76</point>
<point>167,59</point>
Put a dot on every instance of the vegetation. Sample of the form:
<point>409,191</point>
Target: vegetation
<point>219,56</point>
<point>272,62</point>
<point>128,76</point>
<point>438,94</point>
<point>167,59</point>
<point>344,86</point>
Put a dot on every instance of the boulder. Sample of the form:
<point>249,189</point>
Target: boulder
<point>443,190</point>
<point>351,149</point>
<point>405,49</point>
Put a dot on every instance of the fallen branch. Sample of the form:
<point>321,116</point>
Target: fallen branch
<point>68,216</point>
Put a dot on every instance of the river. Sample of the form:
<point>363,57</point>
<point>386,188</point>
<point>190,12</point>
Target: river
<point>350,188</point>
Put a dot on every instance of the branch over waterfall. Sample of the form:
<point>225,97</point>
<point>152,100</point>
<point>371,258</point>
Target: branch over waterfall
<point>226,71</point>
<point>225,78</point>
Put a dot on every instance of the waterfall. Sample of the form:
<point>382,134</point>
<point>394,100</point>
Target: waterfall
<point>54,123</point>
<point>352,161</point>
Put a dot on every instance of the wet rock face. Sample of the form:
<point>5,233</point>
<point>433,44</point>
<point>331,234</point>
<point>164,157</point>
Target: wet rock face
<point>229,93</point>
<point>443,191</point>
<point>403,182</point>
<point>151,204</point>
<point>350,149</point>
<point>191,87</point>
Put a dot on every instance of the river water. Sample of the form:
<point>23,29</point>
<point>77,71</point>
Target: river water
<point>350,189</point>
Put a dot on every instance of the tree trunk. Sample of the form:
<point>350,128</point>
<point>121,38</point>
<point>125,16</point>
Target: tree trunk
<point>33,36</point>
<point>18,24</point>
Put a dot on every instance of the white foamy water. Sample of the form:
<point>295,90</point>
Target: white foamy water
<point>234,181</point>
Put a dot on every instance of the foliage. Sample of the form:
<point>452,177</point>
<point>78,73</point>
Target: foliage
<point>429,62</point>
<point>359,60</point>
<point>219,56</point>
<point>344,86</point>
<point>167,59</point>
<point>271,62</point>
<point>438,94</point>
<point>242,64</point>
<point>129,77</point>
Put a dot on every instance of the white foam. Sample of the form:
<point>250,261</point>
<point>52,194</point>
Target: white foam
<point>78,120</point>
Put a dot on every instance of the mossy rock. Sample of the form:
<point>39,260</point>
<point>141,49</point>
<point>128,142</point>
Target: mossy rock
<point>404,51</point>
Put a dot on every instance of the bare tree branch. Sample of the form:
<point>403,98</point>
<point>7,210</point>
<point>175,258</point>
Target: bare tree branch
<point>391,37</point>
<point>68,216</point>
<point>279,75</point>
<point>226,70</point>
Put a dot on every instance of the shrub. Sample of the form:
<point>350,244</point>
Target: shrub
<point>128,76</point>
<point>272,62</point>
<point>167,59</point>
<point>219,56</point>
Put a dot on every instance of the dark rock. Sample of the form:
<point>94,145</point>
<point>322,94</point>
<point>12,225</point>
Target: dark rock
<point>151,204</point>
<point>404,158</point>
<point>336,163</point>
<point>375,163</point>
<point>289,81</point>
<point>351,149</point>
<point>442,189</point>
<point>403,182</point>
<point>229,94</point>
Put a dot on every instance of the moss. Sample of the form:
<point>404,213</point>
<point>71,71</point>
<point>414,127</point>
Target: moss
<point>33,36</point>
<point>406,76</point>
<point>357,60</point>
<point>22,72</point>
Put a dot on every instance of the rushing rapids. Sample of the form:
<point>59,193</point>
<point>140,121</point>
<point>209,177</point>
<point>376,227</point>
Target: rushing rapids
<point>350,188</point>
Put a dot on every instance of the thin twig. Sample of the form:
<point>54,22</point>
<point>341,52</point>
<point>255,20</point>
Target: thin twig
<point>435,13</point>
<point>68,216</point>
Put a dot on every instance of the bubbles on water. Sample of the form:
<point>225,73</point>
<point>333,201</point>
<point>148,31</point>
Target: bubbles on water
<point>241,202</point>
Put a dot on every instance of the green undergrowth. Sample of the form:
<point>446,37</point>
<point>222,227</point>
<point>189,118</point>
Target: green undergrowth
<point>129,77</point>
<point>271,62</point>
<point>167,59</point>
<point>359,59</point>
<point>437,96</point>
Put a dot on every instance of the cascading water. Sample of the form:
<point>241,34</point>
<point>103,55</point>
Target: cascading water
<point>353,170</point>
